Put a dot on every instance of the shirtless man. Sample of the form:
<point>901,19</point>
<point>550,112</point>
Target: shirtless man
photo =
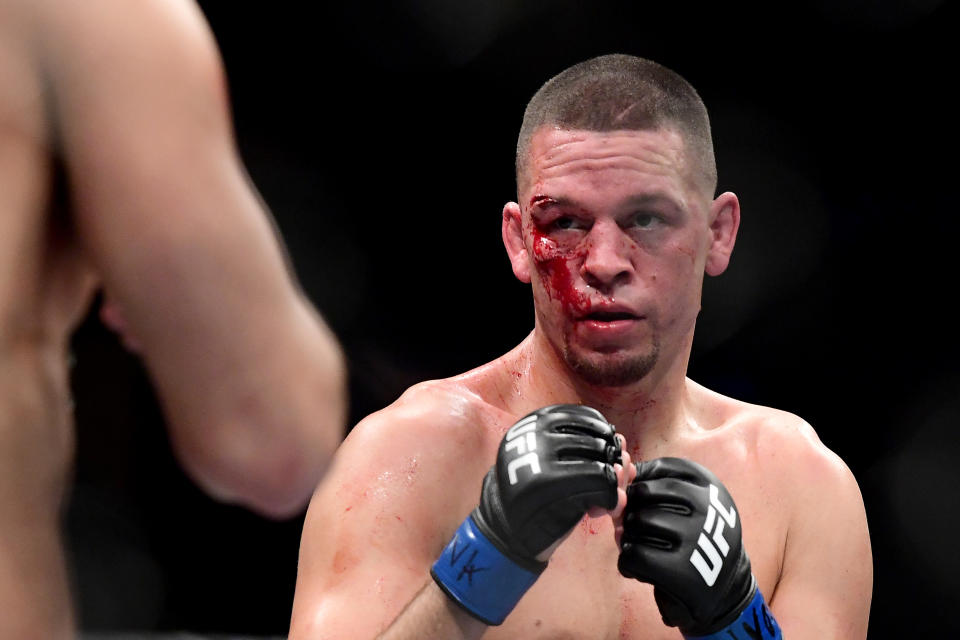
<point>121,108</point>
<point>615,226</point>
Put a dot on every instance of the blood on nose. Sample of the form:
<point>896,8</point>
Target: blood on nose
<point>557,267</point>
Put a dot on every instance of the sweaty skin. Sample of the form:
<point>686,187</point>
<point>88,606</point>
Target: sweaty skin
<point>118,169</point>
<point>614,237</point>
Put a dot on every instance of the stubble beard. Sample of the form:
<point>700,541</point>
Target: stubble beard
<point>611,369</point>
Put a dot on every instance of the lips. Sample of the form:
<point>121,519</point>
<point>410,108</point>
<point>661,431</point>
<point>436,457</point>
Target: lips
<point>609,316</point>
<point>608,313</point>
<point>607,326</point>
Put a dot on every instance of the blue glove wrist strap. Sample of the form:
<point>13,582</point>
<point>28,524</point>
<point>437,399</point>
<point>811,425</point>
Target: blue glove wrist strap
<point>474,573</point>
<point>755,623</point>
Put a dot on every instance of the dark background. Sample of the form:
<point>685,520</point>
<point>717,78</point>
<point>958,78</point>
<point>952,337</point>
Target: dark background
<point>382,136</point>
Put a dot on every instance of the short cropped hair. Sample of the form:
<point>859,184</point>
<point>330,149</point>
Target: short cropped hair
<point>620,92</point>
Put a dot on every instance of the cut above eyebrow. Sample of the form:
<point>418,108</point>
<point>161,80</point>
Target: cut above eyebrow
<point>542,201</point>
<point>541,204</point>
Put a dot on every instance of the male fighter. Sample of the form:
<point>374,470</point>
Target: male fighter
<point>118,167</point>
<point>739,523</point>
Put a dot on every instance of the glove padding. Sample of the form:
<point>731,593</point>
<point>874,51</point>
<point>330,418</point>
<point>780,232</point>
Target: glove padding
<point>552,466</point>
<point>682,534</point>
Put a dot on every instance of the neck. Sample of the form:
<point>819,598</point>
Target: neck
<point>649,413</point>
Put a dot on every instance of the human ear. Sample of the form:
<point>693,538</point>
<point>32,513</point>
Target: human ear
<point>512,231</point>
<point>724,222</point>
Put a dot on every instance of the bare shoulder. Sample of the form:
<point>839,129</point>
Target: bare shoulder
<point>146,22</point>
<point>428,450</point>
<point>773,441</point>
<point>799,492</point>
<point>129,76</point>
<point>442,416</point>
<point>402,481</point>
<point>117,48</point>
<point>777,458</point>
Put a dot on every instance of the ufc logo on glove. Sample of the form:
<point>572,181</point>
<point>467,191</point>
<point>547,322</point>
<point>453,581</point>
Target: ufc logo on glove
<point>525,448</point>
<point>728,516</point>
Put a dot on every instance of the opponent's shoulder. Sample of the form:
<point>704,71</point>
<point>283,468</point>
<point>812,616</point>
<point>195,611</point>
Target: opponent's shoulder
<point>118,17</point>
<point>98,38</point>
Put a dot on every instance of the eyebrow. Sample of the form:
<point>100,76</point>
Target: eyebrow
<point>656,198</point>
<point>542,201</point>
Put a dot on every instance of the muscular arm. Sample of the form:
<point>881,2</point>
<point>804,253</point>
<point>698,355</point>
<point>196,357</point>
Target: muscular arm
<point>827,577</point>
<point>399,487</point>
<point>249,377</point>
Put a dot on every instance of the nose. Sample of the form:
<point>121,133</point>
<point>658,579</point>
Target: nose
<point>607,263</point>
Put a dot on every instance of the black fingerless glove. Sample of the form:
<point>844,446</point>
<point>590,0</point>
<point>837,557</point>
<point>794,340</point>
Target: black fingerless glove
<point>552,466</point>
<point>682,534</point>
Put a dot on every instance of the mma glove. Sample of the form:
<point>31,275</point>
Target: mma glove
<point>682,534</point>
<point>552,466</point>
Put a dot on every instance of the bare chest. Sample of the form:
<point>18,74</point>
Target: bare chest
<point>582,595</point>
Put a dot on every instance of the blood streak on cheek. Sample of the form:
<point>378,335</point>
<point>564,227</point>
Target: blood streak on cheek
<point>554,265</point>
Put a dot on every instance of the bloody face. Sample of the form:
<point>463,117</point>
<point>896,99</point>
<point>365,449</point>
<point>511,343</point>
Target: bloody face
<point>617,237</point>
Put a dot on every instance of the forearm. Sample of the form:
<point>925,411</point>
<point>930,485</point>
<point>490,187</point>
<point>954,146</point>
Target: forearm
<point>431,614</point>
<point>262,433</point>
